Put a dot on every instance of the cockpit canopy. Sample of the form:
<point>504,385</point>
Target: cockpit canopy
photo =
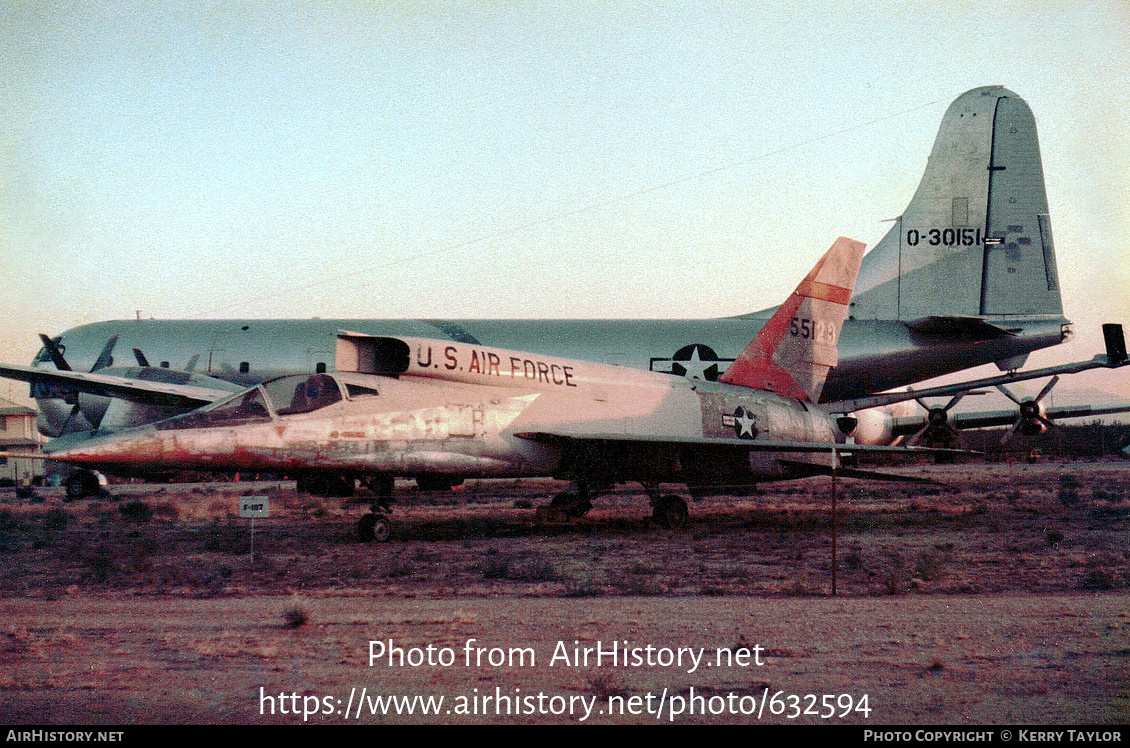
<point>292,395</point>
<point>285,396</point>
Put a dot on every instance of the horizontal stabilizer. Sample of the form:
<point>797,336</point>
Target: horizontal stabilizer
<point>1114,358</point>
<point>964,328</point>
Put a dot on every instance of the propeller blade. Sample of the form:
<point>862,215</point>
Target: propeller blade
<point>1047,388</point>
<point>106,357</point>
<point>74,411</point>
<point>56,353</point>
<point>141,359</point>
<point>918,435</point>
<point>956,399</point>
<point>1009,395</point>
<point>1012,431</point>
<point>192,363</point>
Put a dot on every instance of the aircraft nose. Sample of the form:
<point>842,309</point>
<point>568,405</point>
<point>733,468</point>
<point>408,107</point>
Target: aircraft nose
<point>132,447</point>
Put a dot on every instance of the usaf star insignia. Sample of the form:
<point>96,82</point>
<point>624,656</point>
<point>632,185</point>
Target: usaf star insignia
<point>743,422</point>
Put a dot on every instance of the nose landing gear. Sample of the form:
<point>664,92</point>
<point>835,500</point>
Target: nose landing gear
<point>376,526</point>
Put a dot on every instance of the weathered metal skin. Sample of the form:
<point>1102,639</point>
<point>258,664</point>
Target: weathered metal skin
<point>966,276</point>
<point>423,407</point>
<point>473,433</point>
<point>874,355</point>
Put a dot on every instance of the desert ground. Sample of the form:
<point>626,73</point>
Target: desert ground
<point>1001,597</point>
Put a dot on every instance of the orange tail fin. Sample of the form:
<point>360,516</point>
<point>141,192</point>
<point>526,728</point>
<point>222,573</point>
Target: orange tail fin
<point>796,348</point>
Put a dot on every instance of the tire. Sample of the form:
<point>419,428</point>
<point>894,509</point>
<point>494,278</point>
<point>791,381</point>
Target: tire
<point>374,528</point>
<point>670,512</point>
<point>382,529</point>
<point>81,485</point>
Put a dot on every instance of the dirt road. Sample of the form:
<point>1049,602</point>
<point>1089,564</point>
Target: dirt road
<point>1003,602</point>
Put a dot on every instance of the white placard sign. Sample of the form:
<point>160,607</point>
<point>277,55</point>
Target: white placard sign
<point>254,507</point>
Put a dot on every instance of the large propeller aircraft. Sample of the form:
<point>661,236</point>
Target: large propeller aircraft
<point>436,409</point>
<point>965,276</point>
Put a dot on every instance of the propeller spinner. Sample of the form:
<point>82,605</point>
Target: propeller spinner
<point>1030,419</point>
<point>937,427</point>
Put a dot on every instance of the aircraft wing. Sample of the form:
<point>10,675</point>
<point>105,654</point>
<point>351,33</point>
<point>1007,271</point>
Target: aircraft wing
<point>989,418</point>
<point>168,394</point>
<point>585,448</point>
<point>746,445</point>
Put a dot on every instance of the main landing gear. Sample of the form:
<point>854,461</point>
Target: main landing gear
<point>667,510</point>
<point>376,527</point>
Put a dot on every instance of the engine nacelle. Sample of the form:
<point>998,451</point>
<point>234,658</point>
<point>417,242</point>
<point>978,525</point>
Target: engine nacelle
<point>1032,418</point>
<point>874,427</point>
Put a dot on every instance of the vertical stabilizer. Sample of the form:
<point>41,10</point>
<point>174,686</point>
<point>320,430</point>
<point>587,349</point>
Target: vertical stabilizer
<point>976,238</point>
<point>796,348</point>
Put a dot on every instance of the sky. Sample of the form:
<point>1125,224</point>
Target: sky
<point>518,159</point>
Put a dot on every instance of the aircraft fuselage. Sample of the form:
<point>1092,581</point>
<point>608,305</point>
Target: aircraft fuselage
<point>874,355</point>
<point>372,425</point>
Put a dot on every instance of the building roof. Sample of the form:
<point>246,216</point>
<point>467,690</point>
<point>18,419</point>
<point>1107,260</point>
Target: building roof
<point>20,441</point>
<point>9,408</point>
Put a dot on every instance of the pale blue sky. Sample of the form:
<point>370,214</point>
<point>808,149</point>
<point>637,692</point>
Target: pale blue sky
<point>352,159</point>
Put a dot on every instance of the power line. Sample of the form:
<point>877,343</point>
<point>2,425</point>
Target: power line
<point>562,215</point>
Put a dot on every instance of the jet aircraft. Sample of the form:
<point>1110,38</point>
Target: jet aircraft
<point>966,276</point>
<point>412,406</point>
<point>426,407</point>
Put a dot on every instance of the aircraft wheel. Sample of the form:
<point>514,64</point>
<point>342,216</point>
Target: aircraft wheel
<point>670,512</point>
<point>81,485</point>
<point>374,528</point>
<point>382,529</point>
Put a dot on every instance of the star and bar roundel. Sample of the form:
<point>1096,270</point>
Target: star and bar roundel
<point>743,422</point>
<point>694,361</point>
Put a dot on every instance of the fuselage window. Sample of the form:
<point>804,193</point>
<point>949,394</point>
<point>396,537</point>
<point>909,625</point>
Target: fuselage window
<point>355,391</point>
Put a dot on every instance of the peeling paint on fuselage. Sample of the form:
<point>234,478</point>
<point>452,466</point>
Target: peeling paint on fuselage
<point>474,432</point>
